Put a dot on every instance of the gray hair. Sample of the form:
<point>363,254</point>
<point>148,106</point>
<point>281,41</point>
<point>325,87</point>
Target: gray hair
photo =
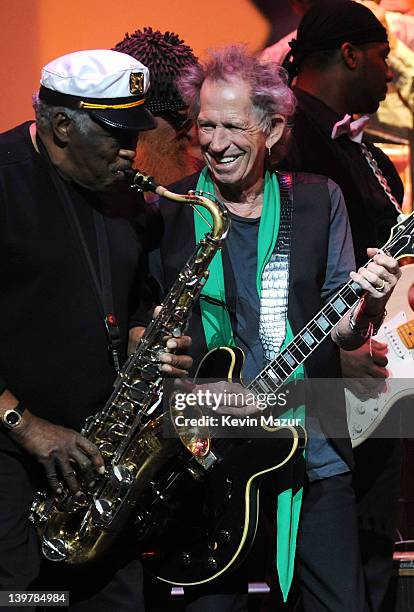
<point>44,114</point>
<point>270,93</point>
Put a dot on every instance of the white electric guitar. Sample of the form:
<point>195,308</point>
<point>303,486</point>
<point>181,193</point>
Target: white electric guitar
<point>397,331</point>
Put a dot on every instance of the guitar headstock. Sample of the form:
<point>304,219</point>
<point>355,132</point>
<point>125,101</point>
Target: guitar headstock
<point>401,242</point>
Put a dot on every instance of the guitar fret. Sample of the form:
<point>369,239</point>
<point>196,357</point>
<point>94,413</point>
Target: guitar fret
<point>303,346</point>
<point>324,323</point>
<point>297,353</point>
<point>285,366</point>
<point>333,312</point>
<point>308,338</point>
<point>350,297</point>
<point>331,315</point>
<point>355,288</point>
<point>254,387</point>
<point>339,305</point>
<point>289,358</point>
<point>316,331</point>
<point>262,385</point>
<point>272,374</point>
<point>269,382</point>
<point>279,371</point>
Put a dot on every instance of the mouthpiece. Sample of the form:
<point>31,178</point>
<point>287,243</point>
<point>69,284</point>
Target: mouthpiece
<point>142,181</point>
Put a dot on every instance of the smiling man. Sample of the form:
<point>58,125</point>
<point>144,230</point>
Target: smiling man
<point>70,279</point>
<point>288,250</point>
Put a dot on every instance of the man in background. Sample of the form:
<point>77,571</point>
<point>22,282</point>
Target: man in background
<point>394,117</point>
<point>340,63</point>
<point>166,152</point>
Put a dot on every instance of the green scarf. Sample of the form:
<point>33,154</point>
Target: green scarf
<point>218,332</point>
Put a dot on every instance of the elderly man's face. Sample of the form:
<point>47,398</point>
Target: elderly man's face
<point>232,143</point>
<point>97,158</point>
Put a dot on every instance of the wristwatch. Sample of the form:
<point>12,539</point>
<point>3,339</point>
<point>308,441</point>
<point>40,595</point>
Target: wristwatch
<point>11,418</point>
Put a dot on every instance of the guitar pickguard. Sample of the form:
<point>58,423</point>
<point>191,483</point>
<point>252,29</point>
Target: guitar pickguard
<point>365,415</point>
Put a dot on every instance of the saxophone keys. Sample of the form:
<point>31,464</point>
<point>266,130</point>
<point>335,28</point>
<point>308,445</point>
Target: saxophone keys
<point>122,475</point>
<point>102,512</point>
<point>116,431</point>
<point>55,549</point>
<point>125,407</point>
<point>106,449</point>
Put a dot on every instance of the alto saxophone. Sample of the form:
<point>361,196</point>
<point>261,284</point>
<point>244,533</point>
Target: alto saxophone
<point>128,432</point>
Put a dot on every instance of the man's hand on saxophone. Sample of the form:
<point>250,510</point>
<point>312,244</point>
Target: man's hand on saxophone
<point>65,454</point>
<point>176,363</point>
<point>60,450</point>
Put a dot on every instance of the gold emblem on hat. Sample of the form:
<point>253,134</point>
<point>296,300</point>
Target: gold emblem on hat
<point>136,83</point>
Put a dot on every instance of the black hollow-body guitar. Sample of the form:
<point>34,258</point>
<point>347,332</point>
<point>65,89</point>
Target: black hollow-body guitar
<point>207,510</point>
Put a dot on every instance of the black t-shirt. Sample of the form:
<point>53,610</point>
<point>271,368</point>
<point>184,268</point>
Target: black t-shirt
<point>242,249</point>
<point>53,343</point>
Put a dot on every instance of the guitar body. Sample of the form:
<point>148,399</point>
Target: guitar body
<point>213,526</point>
<point>365,415</point>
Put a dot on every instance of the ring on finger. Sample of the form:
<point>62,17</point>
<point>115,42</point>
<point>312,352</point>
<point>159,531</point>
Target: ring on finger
<point>380,288</point>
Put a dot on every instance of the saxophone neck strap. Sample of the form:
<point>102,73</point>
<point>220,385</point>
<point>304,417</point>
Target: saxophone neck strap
<point>101,278</point>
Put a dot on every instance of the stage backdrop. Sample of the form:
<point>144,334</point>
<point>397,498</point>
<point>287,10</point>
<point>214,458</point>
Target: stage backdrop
<point>34,32</point>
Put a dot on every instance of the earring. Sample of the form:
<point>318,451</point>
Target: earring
<point>269,151</point>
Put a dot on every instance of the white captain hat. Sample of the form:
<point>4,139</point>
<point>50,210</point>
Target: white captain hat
<point>110,85</point>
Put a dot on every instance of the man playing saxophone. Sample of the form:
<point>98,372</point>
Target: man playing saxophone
<point>72,279</point>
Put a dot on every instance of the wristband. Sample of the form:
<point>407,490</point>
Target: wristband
<point>371,329</point>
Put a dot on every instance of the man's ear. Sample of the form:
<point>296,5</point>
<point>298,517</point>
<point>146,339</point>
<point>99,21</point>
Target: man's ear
<point>62,126</point>
<point>350,55</point>
<point>276,133</point>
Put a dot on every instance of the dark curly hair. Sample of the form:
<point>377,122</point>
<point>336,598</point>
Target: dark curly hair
<point>167,57</point>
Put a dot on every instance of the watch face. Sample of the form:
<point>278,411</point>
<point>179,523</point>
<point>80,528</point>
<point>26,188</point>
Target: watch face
<point>11,418</point>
